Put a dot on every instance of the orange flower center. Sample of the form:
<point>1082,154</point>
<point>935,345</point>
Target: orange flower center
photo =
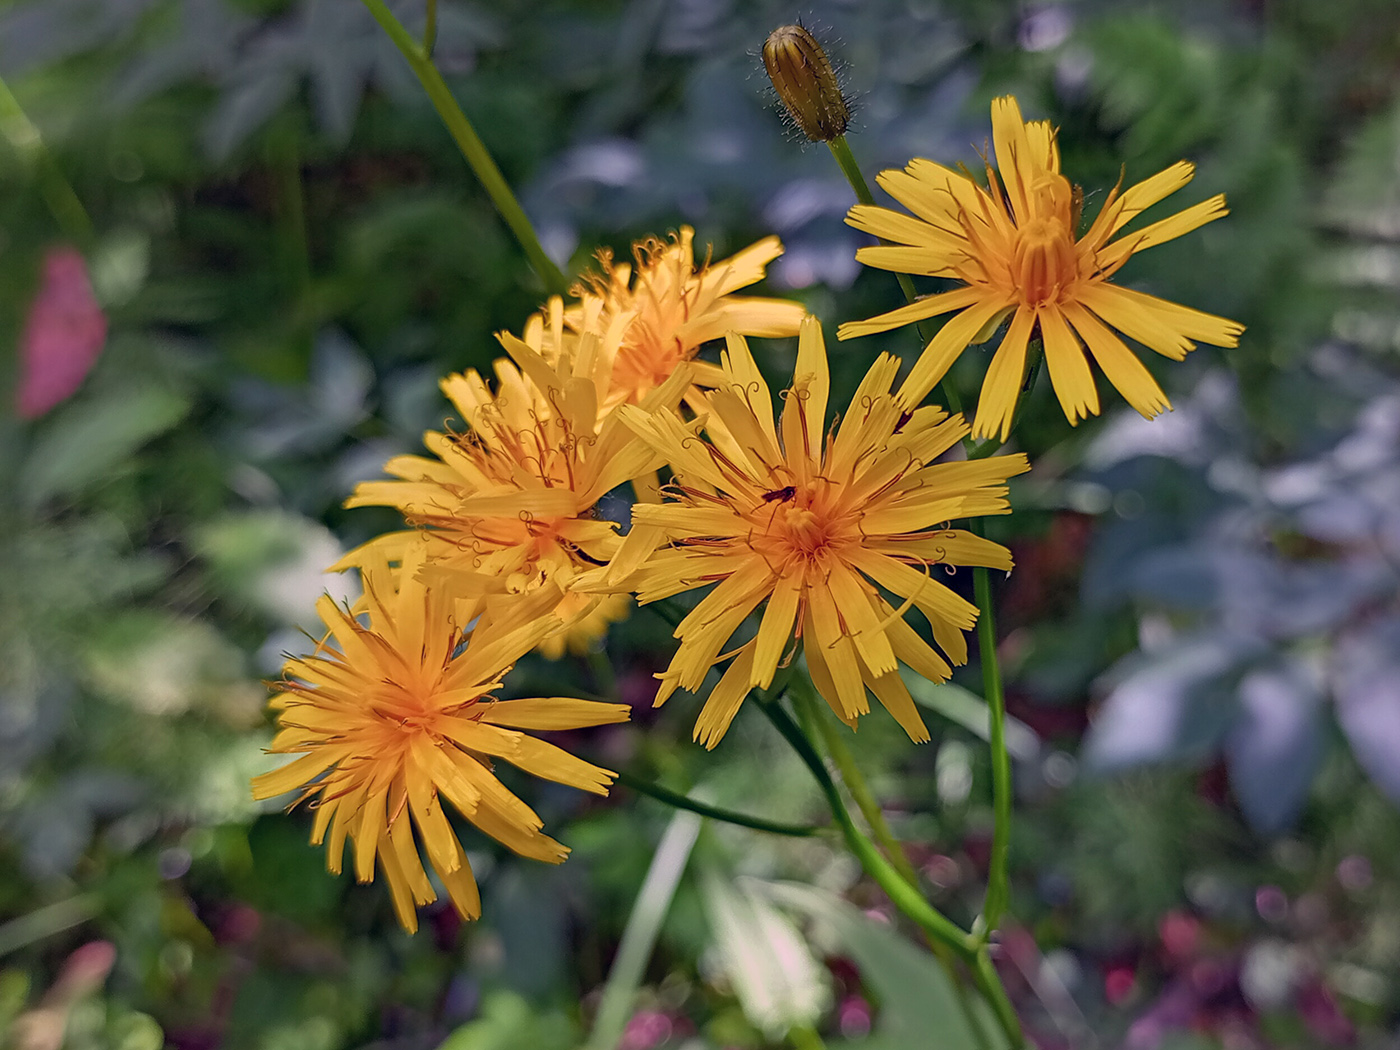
<point>1044,263</point>
<point>804,526</point>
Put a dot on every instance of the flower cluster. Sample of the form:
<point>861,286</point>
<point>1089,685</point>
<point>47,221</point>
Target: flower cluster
<point>819,535</point>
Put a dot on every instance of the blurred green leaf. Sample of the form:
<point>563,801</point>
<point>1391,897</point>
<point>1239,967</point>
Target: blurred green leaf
<point>509,1022</point>
<point>914,992</point>
<point>92,436</point>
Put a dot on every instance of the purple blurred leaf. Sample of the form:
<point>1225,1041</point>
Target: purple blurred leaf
<point>1368,700</point>
<point>1170,706</point>
<point>1274,749</point>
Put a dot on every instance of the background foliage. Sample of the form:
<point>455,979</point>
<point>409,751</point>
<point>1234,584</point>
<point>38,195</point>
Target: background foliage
<point>1202,634</point>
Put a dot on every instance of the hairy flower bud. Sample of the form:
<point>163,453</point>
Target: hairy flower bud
<point>806,83</point>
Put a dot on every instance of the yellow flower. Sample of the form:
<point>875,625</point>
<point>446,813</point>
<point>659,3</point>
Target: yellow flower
<point>1016,252</point>
<point>508,506</point>
<point>399,716</point>
<point>671,309</point>
<point>816,524</point>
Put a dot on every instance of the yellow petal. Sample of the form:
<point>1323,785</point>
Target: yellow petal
<point>553,712</point>
<point>1069,370</point>
<point>943,349</point>
<point>1001,389</point>
<point>1129,375</point>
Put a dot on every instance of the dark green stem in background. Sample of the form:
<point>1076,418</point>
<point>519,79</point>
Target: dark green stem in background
<point>672,798</point>
<point>63,203</point>
<point>430,29</point>
<point>998,885</point>
<point>842,152</point>
<point>473,149</point>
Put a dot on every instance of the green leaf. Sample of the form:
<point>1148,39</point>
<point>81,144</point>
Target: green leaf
<point>91,437</point>
<point>916,996</point>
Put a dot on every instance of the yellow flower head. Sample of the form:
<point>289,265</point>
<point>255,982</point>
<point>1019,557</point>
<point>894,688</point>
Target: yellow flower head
<point>1014,245</point>
<point>816,524</point>
<point>508,505</point>
<point>398,716</point>
<point>672,309</point>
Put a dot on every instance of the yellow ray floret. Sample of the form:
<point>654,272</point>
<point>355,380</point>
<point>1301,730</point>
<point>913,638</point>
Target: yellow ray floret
<point>669,308</point>
<point>1015,247</point>
<point>817,529</point>
<point>507,505</point>
<point>393,718</point>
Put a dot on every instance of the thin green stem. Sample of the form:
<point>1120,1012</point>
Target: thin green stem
<point>604,677</point>
<point>48,921</point>
<point>805,1037</point>
<point>430,29</point>
<point>473,149</point>
<point>998,885</point>
<point>63,203</point>
<point>904,896</point>
<point>989,984</point>
<point>859,788</point>
<point>679,801</point>
<point>869,807</point>
<point>841,150</point>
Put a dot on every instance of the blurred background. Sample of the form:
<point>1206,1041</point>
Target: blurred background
<point>237,251</point>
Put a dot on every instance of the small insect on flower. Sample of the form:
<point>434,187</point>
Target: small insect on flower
<point>817,528</point>
<point>1014,247</point>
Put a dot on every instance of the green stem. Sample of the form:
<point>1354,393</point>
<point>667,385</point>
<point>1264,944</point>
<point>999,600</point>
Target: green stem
<point>47,921</point>
<point>904,896</point>
<point>841,150</point>
<point>430,29</point>
<point>604,677</point>
<point>63,203</point>
<point>672,798</point>
<point>473,149</point>
<point>989,983</point>
<point>859,788</point>
<point>998,891</point>
<point>805,1037</point>
<point>869,807</point>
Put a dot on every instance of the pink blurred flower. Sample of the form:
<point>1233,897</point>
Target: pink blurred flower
<point>646,1029</point>
<point>63,334</point>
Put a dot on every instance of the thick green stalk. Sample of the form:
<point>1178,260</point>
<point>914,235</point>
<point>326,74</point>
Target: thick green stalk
<point>473,149</point>
<point>672,798</point>
<point>998,883</point>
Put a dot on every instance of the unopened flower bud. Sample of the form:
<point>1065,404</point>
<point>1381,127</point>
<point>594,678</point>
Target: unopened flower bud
<point>806,83</point>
